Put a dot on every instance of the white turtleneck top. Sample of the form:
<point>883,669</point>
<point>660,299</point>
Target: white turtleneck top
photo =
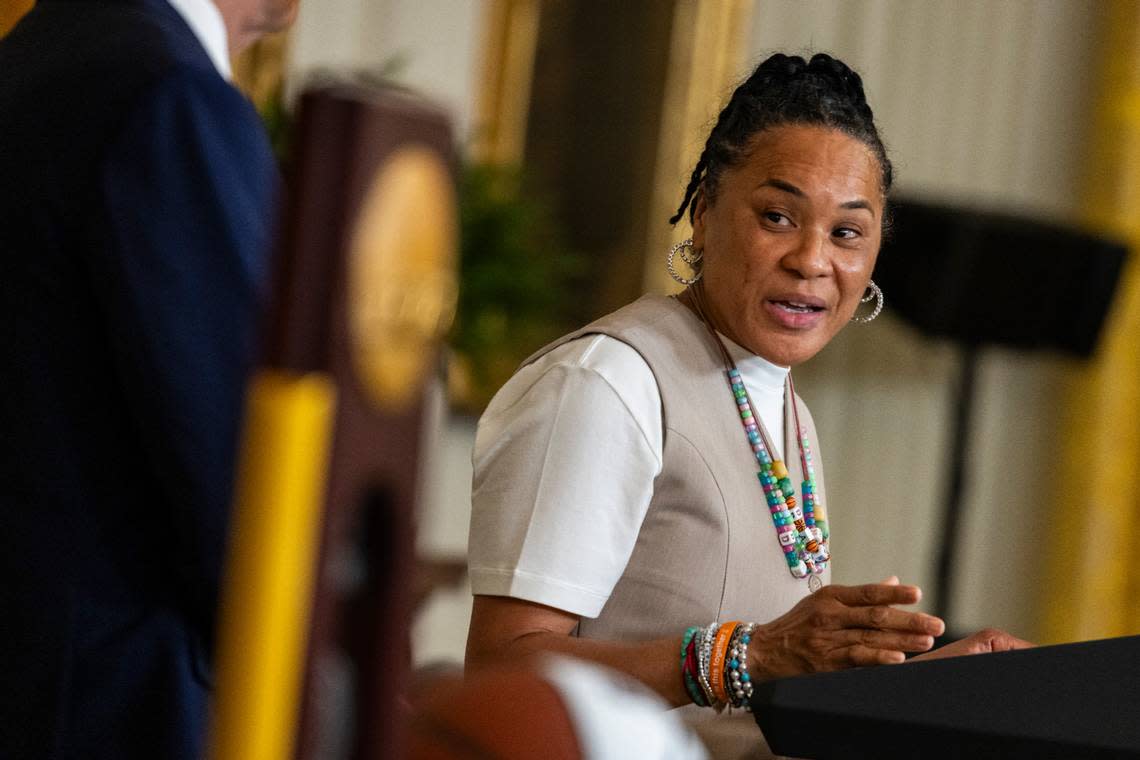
<point>592,406</point>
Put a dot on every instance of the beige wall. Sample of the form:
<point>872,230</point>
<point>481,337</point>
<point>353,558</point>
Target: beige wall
<point>436,40</point>
<point>980,101</point>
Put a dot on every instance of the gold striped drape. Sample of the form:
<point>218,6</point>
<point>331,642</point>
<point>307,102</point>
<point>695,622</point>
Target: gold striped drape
<point>259,70</point>
<point>502,99</point>
<point>705,57</point>
<point>12,11</point>
<point>1092,584</point>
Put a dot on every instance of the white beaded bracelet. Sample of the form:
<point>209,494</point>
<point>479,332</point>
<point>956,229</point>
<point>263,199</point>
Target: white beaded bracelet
<point>703,659</point>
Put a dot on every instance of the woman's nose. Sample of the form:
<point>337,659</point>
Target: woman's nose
<point>808,257</point>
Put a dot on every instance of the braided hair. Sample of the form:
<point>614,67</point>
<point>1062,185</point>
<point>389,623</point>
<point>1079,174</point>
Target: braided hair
<point>785,89</point>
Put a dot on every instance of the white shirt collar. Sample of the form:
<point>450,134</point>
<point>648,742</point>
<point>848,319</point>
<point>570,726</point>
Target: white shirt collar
<point>204,19</point>
<point>759,372</point>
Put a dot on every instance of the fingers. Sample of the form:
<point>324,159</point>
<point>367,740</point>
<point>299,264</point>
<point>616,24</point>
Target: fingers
<point>888,618</point>
<point>858,655</point>
<point>888,640</point>
<point>996,640</point>
<point>1012,642</point>
<point>876,593</point>
<point>871,606</point>
<point>847,626</point>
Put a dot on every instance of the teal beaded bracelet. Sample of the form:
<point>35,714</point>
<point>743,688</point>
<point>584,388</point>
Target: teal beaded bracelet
<point>688,666</point>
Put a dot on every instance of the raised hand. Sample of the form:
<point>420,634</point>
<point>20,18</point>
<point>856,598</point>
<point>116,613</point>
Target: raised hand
<point>842,627</point>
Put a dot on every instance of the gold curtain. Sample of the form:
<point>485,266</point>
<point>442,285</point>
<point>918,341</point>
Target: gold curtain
<point>704,58</point>
<point>503,96</point>
<point>1092,585</point>
<point>259,70</point>
<point>12,11</point>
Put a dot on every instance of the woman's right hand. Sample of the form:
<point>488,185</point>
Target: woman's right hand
<point>841,627</point>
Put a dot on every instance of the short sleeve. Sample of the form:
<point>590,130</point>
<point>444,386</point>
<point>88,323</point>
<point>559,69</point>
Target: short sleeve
<point>564,463</point>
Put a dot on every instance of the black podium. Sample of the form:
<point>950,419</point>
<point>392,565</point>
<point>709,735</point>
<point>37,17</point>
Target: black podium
<point>1068,701</point>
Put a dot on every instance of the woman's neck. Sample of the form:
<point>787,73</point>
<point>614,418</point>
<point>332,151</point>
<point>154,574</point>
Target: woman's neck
<point>693,297</point>
<point>764,374</point>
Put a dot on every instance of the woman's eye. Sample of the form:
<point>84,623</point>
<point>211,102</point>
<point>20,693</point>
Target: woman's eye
<point>846,233</point>
<point>775,217</point>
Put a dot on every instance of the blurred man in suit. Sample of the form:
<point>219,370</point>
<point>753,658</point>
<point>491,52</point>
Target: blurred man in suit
<point>136,189</point>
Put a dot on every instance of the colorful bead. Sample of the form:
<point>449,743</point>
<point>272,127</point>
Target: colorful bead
<point>801,530</point>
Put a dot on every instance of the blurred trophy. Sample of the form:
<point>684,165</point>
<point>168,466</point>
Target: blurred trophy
<point>314,649</point>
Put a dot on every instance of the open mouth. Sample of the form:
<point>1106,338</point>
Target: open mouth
<point>797,307</point>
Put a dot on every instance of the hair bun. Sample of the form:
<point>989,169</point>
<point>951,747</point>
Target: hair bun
<point>849,80</point>
<point>780,64</point>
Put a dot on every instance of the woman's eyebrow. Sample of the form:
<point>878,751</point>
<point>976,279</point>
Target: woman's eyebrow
<point>788,187</point>
<point>780,184</point>
<point>859,203</point>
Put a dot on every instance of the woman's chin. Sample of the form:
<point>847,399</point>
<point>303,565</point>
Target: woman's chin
<point>781,335</point>
<point>788,348</point>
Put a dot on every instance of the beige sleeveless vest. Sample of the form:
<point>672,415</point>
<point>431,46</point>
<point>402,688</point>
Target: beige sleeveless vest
<point>707,549</point>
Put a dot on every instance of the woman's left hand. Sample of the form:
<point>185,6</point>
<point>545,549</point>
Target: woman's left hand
<point>985,640</point>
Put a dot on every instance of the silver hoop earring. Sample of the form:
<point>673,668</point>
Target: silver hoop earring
<point>690,257</point>
<point>877,294</point>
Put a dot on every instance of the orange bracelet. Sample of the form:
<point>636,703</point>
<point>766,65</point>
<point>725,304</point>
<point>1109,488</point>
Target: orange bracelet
<point>716,661</point>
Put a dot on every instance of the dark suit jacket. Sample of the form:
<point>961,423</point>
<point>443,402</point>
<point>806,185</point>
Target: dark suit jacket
<point>135,195</point>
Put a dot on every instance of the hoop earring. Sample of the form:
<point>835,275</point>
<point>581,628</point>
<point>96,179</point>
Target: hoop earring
<point>690,257</point>
<point>877,294</point>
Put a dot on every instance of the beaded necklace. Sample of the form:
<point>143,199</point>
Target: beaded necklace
<point>801,531</point>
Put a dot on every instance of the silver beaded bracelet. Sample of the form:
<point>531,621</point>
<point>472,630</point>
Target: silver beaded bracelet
<point>704,657</point>
<point>737,678</point>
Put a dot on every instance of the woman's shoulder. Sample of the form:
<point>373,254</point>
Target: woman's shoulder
<point>646,312</point>
<point>631,324</point>
<point>586,359</point>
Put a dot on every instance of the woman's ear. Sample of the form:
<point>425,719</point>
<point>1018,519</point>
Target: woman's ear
<point>700,206</point>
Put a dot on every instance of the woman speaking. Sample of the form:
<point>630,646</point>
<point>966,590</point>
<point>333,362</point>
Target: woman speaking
<point>648,490</point>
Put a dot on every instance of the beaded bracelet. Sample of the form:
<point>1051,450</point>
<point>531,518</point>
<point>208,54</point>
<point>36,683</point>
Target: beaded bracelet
<point>692,677</point>
<point>724,635</point>
<point>689,667</point>
<point>714,664</point>
<point>737,678</point>
<point>703,658</point>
